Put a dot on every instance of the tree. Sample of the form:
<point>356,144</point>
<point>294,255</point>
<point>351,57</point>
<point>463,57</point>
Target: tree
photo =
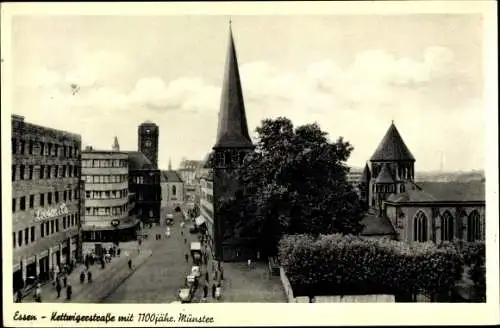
<point>295,182</point>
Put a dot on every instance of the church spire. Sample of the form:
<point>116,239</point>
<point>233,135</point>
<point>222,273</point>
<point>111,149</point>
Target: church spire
<point>116,145</point>
<point>170,164</point>
<point>232,129</point>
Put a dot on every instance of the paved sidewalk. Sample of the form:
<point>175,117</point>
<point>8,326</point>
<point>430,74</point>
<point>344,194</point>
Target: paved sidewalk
<point>102,279</point>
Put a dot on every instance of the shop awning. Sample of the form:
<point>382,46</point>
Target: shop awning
<point>199,220</point>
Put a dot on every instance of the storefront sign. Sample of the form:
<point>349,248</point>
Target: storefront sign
<point>43,214</point>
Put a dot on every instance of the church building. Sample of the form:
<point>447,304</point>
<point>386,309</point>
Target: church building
<point>232,144</point>
<point>399,208</point>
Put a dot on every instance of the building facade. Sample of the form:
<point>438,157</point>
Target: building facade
<point>232,144</point>
<point>145,182</point>
<point>109,206</point>
<point>45,200</point>
<point>189,171</point>
<point>148,139</point>
<point>402,209</point>
<point>172,189</point>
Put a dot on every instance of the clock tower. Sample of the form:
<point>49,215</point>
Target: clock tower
<point>148,141</point>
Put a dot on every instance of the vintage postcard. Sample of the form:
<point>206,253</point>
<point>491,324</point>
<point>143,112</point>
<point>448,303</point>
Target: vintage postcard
<point>206,164</point>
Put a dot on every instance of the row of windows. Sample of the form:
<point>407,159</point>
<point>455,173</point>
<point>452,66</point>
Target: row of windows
<point>105,178</point>
<point>104,163</point>
<point>31,147</point>
<point>55,197</point>
<point>47,228</point>
<point>140,180</point>
<point>421,228</point>
<point>108,194</point>
<point>106,211</point>
<point>27,172</point>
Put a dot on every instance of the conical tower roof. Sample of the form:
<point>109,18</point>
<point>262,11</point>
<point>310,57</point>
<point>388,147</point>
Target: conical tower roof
<point>232,129</point>
<point>385,175</point>
<point>366,176</point>
<point>392,147</point>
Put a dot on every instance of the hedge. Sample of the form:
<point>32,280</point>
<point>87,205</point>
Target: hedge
<point>336,264</point>
<point>474,257</point>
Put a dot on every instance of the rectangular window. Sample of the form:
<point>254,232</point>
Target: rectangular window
<point>75,171</point>
<point>22,205</point>
<point>20,238</point>
<point>70,172</point>
<point>26,236</point>
<point>107,211</point>
<point>32,201</point>
<point>70,152</point>
<point>21,172</point>
<point>14,145</point>
<point>75,194</point>
<point>31,168</point>
<point>56,196</point>
<point>30,147</point>
<point>13,205</point>
<point>57,225</point>
<point>49,147</point>
<point>56,171</point>
<point>49,168</point>
<point>65,151</point>
<point>106,179</point>
<point>32,234</point>
<point>23,143</point>
<point>42,199</point>
<point>87,194</point>
<point>65,196</point>
<point>42,230</point>
<point>13,173</point>
<point>64,222</point>
<point>95,163</point>
<point>14,239</point>
<point>88,210</point>
<point>42,168</point>
<point>49,198</point>
<point>47,230</point>
<point>70,195</point>
<point>52,226</point>
<point>56,150</point>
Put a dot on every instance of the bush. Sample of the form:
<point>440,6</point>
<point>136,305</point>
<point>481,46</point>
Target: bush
<point>474,257</point>
<point>336,264</point>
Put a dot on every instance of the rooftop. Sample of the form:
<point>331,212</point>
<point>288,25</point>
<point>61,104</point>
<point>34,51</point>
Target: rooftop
<point>441,192</point>
<point>170,176</point>
<point>138,161</point>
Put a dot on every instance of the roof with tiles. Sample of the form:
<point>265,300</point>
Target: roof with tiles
<point>138,161</point>
<point>170,176</point>
<point>392,147</point>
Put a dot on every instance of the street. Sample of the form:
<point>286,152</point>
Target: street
<point>158,280</point>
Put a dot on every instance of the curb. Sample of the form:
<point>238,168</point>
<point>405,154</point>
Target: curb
<point>122,280</point>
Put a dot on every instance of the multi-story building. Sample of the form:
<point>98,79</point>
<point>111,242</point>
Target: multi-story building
<point>206,204</point>
<point>109,208</point>
<point>354,176</point>
<point>189,169</point>
<point>148,138</point>
<point>145,182</point>
<point>45,200</point>
<point>172,189</point>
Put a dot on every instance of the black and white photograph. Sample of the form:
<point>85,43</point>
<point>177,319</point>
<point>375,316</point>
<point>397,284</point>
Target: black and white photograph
<point>236,157</point>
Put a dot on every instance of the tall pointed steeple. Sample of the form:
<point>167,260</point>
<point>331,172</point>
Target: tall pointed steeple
<point>392,147</point>
<point>232,129</point>
<point>170,164</point>
<point>116,145</point>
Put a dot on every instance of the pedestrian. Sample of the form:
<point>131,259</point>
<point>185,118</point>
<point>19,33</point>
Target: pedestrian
<point>118,252</point>
<point>82,277</point>
<point>249,263</point>
<point>103,264</point>
<point>19,296</point>
<point>65,280</point>
<point>218,292</point>
<point>69,291</point>
<point>130,264</point>
<point>38,294</point>
<point>205,291</point>
<point>206,276</point>
<point>58,288</point>
<point>182,232</point>
<point>214,288</point>
<point>89,276</point>
<point>222,275</point>
<point>185,241</point>
<point>186,256</point>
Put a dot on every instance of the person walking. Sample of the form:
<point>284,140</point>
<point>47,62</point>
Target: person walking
<point>38,294</point>
<point>89,276</point>
<point>222,275</point>
<point>214,288</point>
<point>65,280</point>
<point>186,256</point>
<point>205,291</point>
<point>182,232</point>
<point>206,276</point>
<point>185,241</point>
<point>69,291</point>
<point>58,288</point>
<point>82,277</point>
<point>19,296</point>
<point>130,263</point>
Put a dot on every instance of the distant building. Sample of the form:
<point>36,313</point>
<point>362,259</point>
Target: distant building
<point>145,182</point>
<point>46,200</point>
<point>148,138</point>
<point>172,189</point>
<point>206,200</point>
<point>354,175</point>
<point>409,211</point>
<point>189,170</point>
<point>109,209</point>
<point>232,144</point>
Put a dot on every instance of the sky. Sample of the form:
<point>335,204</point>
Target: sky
<point>351,74</point>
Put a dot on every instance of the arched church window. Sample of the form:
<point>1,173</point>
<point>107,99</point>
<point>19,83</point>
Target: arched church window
<point>447,226</point>
<point>420,227</point>
<point>474,226</point>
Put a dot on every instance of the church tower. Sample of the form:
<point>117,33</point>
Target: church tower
<point>170,164</point>
<point>392,165</point>
<point>232,144</point>
<point>148,135</point>
<point>116,145</point>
